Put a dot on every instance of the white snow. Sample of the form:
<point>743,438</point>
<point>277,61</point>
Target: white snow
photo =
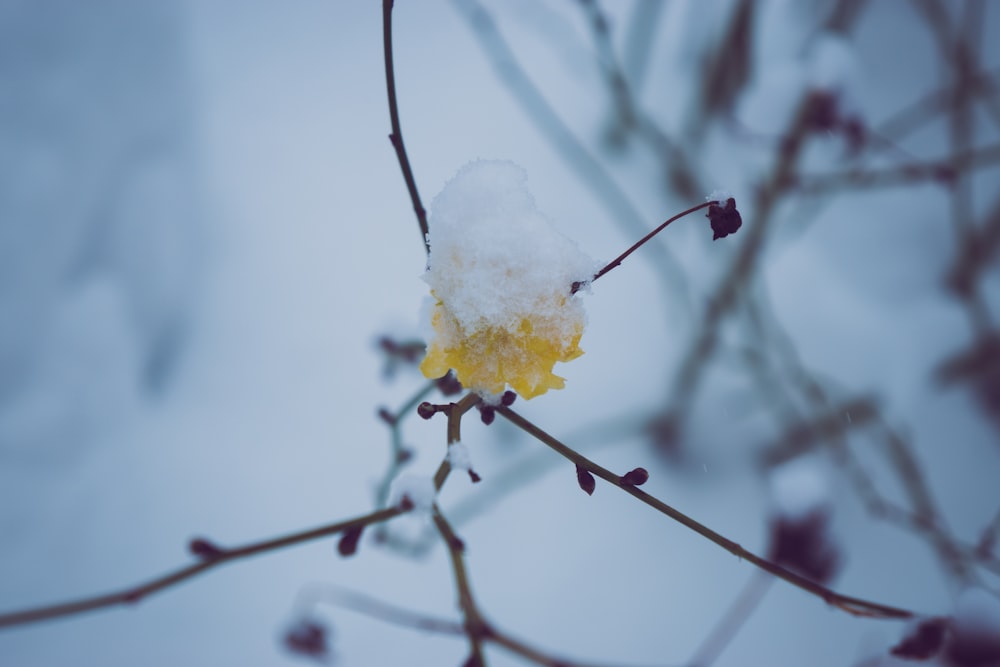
<point>458,456</point>
<point>720,195</point>
<point>799,488</point>
<point>494,256</point>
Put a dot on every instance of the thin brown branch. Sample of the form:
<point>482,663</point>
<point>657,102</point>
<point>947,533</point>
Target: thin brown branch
<point>852,605</point>
<point>638,244</point>
<point>219,556</point>
<point>396,136</point>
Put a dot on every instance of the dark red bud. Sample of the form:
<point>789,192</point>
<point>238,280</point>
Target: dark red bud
<point>348,543</point>
<point>636,477</point>
<point>586,480</point>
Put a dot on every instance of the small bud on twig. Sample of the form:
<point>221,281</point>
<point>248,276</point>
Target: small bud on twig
<point>348,544</point>
<point>487,413</point>
<point>205,549</point>
<point>586,480</point>
<point>449,384</point>
<point>635,477</point>
<point>427,410</point>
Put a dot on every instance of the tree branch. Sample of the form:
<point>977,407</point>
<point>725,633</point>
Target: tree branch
<point>852,605</point>
<point>396,137</point>
<point>211,556</point>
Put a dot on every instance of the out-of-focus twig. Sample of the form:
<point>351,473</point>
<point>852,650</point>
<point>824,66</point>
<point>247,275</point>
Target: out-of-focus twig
<point>943,171</point>
<point>732,621</point>
<point>630,117</point>
<point>576,157</point>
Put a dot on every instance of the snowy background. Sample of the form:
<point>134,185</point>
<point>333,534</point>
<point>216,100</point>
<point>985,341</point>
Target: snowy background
<point>204,232</point>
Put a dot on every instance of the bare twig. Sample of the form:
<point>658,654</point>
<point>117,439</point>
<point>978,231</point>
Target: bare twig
<point>851,605</point>
<point>476,629</point>
<point>396,137</point>
<point>218,556</point>
<point>638,244</point>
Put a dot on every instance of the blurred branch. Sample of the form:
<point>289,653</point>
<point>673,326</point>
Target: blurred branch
<point>726,70</point>
<point>832,422</point>
<point>400,455</point>
<point>639,40</point>
<point>630,117</point>
<point>988,540</point>
<point>830,428</point>
<point>911,117</point>
<point>977,252</point>
<point>851,605</point>
<point>945,171</point>
<point>730,624</point>
<point>576,157</point>
<point>210,556</point>
<point>396,136</point>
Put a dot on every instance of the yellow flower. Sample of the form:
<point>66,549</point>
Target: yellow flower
<point>522,355</point>
<point>501,276</point>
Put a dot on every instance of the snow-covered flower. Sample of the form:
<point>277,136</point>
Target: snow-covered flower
<point>501,276</point>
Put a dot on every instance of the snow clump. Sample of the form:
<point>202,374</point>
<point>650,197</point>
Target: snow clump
<point>501,276</point>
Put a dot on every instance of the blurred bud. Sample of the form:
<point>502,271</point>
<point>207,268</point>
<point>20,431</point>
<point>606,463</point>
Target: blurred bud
<point>586,480</point>
<point>386,416</point>
<point>473,661</point>
<point>803,543</point>
<point>427,410</point>
<point>448,384</point>
<point>636,477</point>
<point>399,353</point>
<point>824,111</point>
<point>348,544</point>
<point>205,549</point>
<point>508,398</point>
<point>308,638</point>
